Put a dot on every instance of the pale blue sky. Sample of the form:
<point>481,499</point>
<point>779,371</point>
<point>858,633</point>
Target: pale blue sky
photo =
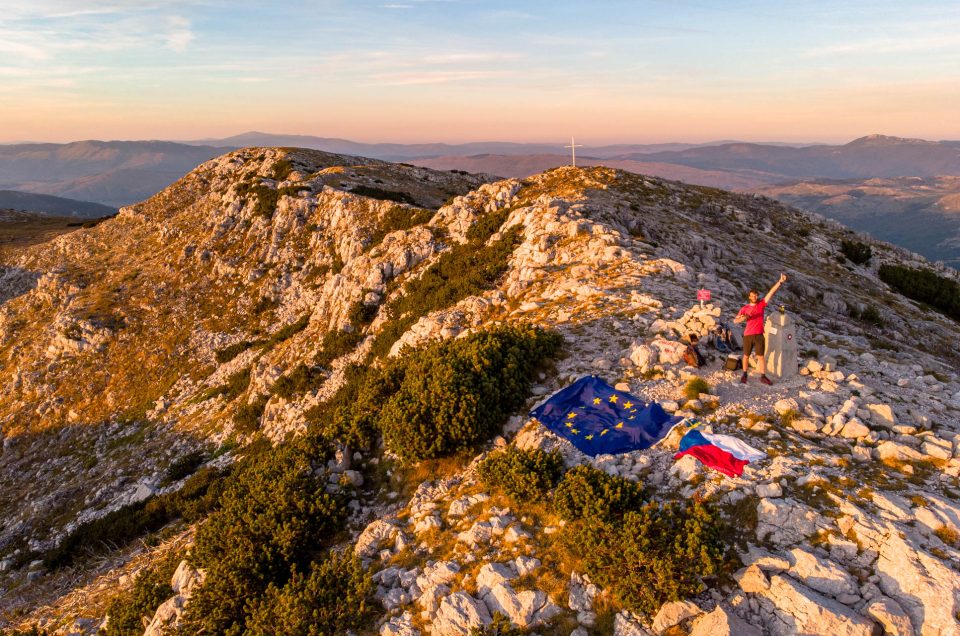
<point>462,70</point>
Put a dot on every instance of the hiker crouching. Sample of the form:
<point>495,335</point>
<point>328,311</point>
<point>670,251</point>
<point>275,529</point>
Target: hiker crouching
<point>753,339</point>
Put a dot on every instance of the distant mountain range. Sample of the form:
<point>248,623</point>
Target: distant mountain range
<point>51,205</point>
<point>526,165</point>
<point>871,156</point>
<point>118,173</point>
<point>113,173</point>
<point>401,152</point>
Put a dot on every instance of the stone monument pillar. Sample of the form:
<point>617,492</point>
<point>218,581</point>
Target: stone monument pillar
<point>781,343</point>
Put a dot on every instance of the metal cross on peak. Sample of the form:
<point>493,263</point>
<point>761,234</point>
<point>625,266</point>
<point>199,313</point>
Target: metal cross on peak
<point>573,151</point>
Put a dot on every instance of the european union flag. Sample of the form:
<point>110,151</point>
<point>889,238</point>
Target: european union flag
<point>598,419</point>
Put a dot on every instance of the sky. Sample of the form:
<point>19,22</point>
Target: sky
<point>625,71</point>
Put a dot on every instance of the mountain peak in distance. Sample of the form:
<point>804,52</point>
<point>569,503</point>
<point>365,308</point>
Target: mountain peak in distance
<point>886,140</point>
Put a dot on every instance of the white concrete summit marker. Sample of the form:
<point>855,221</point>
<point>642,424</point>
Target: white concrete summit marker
<point>573,151</point>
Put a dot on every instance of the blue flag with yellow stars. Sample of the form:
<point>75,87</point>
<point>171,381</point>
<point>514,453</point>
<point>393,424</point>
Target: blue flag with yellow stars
<point>598,419</point>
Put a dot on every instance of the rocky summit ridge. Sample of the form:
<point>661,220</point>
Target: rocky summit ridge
<point>220,314</point>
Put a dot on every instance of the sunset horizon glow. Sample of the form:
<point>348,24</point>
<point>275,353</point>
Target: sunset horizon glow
<point>456,71</point>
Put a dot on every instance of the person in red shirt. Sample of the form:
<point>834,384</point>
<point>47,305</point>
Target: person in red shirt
<point>753,340</point>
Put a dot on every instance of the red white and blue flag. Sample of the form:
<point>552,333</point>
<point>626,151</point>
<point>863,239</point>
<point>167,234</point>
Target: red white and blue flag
<point>722,453</point>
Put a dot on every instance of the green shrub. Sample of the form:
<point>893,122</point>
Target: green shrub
<point>118,527</point>
<point>303,378</point>
<point>334,345</point>
<point>338,343</point>
<point>523,475</point>
<point>232,388</point>
<point>184,466</point>
<point>694,387</point>
<point>246,419</point>
<point>361,314</point>
<point>281,170</point>
<point>925,286</point>
<point>230,352</point>
<point>384,195</point>
<point>455,393</point>
<point>500,626</point>
<point>265,198</point>
<point>659,553</point>
<point>334,598</point>
<point>588,493</point>
<point>858,253</point>
<point>288,330</point>
<point>350,416</point>
<point>336,262</point>
<point>265,303</point>
<point>199,495</point>
<point>463,270</point>
<point>151,588</point>
<point>274,517</point>
<point>398,218</point>
<point>871,315</point>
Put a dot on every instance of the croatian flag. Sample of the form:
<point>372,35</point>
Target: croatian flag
<point>722,453</point>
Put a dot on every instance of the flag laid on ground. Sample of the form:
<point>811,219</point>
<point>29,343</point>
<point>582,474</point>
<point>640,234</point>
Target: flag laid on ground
<point>598,419</point>
<point>722,453</point>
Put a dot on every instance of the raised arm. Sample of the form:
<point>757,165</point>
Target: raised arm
<point>776,286</point>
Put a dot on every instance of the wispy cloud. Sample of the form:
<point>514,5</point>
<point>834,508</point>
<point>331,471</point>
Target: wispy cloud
<point>901,44</point>
<point>179,36</point>
<point>468,58</point>
<point>431,77</point>
<point>47,29</point>
<point>14,44</point>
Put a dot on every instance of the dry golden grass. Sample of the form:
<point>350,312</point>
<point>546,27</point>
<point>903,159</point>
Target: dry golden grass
<point>948,535</point>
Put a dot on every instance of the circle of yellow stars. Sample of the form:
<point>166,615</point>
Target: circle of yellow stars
<point>613,399</point>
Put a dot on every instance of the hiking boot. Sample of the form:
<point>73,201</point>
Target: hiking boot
<point>764,379</point>
<point>743,379</point>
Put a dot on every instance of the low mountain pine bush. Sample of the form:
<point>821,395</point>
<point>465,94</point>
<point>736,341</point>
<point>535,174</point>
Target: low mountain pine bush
<point>333,598</point>
<point>455,393</point>
<point>246,419</point>
<point>231,388</point>
<point>151,588</point>
<point>303,378</point>
<point>500,626</point>
<point>230,352</point>
<point>184,466</point>
<point>926,286</point>
<point>658,553</point>
<point>274,516</point>
<point>856,252</point>
<point>588,493</point>
<point>523,475</point>
<point>398,218</point>
<point>384,195</point>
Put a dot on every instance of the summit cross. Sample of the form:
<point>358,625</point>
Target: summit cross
<point>573,151</point>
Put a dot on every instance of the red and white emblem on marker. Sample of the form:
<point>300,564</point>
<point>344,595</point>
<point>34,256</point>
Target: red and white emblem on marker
<point>703,294</point>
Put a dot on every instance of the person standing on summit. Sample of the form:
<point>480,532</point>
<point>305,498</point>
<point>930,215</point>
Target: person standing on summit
<point>752,314</point>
